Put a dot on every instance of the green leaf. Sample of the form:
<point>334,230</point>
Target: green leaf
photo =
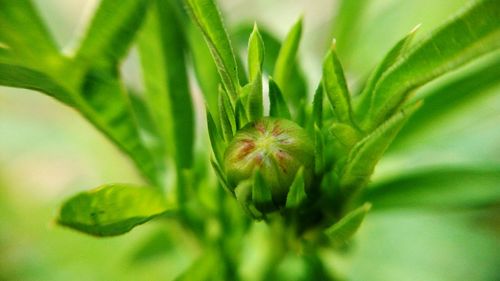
<point>296,86</point>
<point>255,54</point>
<point>346,227</point>
<point>207,16</point>
<point>112,29</point>
<point>449,98</point>
<point>162,46</point>
<point>277,104</point>
<point>262,198</point>
<point>227,118</point>
<point>349,15</point>
<point>319,147</point>
<point>116,119</point>
<point>243,193</point>
<point>318,107</point>
<point>26,36</point>
<point>362,103</point>
<point>335,87</point>
<point>367,152</point>
<point>240,113</point>
<point>215,138</point>
<point>284,63</point>
<point>220,175</point>
<point>442,187</point>
<point>204,67</point>
<point>23,77</point>
<point>255,107</point>
<point>112,209</point>
<point>467,36</point>
<point>297,194</point>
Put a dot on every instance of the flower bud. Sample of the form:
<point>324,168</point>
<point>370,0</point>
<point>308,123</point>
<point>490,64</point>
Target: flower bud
<point>276,149</point>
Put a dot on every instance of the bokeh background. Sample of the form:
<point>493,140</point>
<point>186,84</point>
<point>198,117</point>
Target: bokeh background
<point>48,152</point>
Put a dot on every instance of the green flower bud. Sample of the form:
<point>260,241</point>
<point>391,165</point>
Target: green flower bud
<point>276,148</point>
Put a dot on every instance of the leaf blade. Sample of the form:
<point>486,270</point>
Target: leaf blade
<point>472,33</point>
<point>112,209</point>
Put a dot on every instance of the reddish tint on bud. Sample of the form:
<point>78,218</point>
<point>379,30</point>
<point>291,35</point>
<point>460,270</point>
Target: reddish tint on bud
<point>277,148</point>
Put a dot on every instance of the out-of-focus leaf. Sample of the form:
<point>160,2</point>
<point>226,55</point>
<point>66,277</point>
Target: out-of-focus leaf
<point>112,30</point>
<point>24,33</point>
<point>277,104</point>
<point>430,245</point>
<point>335,87</point>
<point>297,194</point>
<point>112,209</point>
<point>282,73</point>
<point>162,47</point>
<point>115,119</point>
<point>340,232</point>
<point>319,148</point>
<point>467,36</point>
<point>207,16</point>
<point>255,53</point>
<point>362,102</point>
<point>348,16</point>
<point>157,245</point>
<point>449,97</point>
<point>209,266</point>
<point>22,77</point>
<point>438,188</point>
<point>367,152</point>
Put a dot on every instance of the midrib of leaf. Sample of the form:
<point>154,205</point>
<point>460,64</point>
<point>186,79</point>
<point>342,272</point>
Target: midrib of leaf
<point>477,31</point>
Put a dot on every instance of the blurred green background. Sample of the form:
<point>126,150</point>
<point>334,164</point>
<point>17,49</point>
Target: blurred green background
<point>48,152</point>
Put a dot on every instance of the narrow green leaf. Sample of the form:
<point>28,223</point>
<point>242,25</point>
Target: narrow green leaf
<point>226,113</point>
<point>467,36</point>
<point>367,152</point>
<point>112,209</point>
<point>162,46</point>
<point>277,104</point>
<point>215,138</point>
<point>23,77</point>
<point>220,175</point>
<point>262,198</point>
<point>363,101</point>
<point>112,30</point>
<point>116,119</point>
<point>349,15</point>
<point>442,187</point>
<point>255,54</point>
<point>297,194</point>
<point>319,147</point>
<point>25,34</point>
<point>207,16</point>
<point>285,61</point>
<point>255,106</point>
<point>318,107</point>
<point>296,85</point>
<point>346,227</point>
<point>449,98</point>
<point>240,113</point>
<point>335,87</point>
<point>204,67</point>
